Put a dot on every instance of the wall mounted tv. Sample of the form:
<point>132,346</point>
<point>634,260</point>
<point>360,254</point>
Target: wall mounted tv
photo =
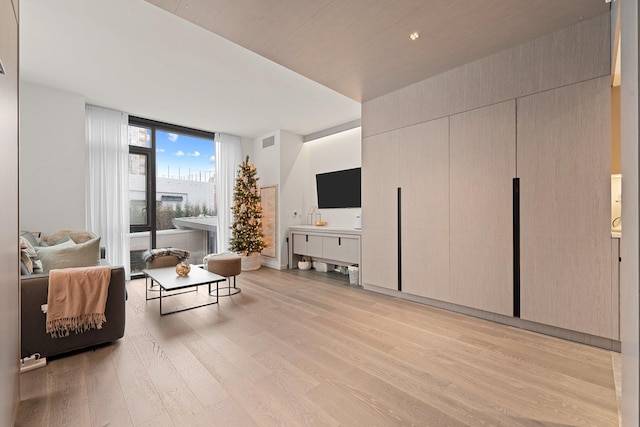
<point>339,189</point>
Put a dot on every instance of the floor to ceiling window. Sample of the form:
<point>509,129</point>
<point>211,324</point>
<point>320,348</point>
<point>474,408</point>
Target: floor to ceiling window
<point>171,189</point>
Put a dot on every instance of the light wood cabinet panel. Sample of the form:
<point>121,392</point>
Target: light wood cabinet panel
<point>307,244</point>
<point>424,178</point>
<point>341,248</point>
<point>564,167</point>
<point>615,288</point>
<point>482,168</point>
<point>379,211</point>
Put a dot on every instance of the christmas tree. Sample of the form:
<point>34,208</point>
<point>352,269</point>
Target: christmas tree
<point>246,230</point>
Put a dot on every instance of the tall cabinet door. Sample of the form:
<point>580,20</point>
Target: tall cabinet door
<point>424,179</point>
<point>483,165</point>
<point>379,210</point>
<point>565,184</point>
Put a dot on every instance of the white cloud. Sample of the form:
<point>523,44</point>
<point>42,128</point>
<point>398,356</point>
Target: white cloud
<point>179,153</point>
<point>212,159</point>
<point>194,154</point>
<point>160,150</point>
<point>173,137</point>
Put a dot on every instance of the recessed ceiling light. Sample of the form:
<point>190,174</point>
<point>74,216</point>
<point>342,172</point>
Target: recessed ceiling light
<point>414,36</point>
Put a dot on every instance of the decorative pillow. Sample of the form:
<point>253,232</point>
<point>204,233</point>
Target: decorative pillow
<point>30,237</point>
<point>45,250</point>
<point>37,266</point>
<point>64,239</point>
<point>27,255</point>
<point>78,236</point>
<point>69,254</point>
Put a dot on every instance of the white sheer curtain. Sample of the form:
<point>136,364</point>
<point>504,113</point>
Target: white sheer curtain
<point>228,157</point>
<point>107,183</point>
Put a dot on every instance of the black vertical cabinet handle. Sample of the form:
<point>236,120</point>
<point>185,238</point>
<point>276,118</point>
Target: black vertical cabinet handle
<point>339,241</point>
<point>399,201</point>
<point>306,237</point>
<point>516,247</point>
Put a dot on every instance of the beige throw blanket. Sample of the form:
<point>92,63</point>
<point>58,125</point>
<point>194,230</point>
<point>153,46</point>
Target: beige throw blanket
<point>77,299</point>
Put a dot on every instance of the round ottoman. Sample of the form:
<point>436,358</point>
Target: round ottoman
<point>226,264</point>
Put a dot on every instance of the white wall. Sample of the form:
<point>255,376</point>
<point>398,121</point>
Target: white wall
<point>247,147</point>
<point>283,164</point>
<point>52,159</point>
<point>292,165</point>
<point>332,153</point>
<point>294,170</point>
<point>267,162</point>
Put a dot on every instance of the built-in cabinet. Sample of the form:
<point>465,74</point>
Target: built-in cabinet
<point>438,209</point>
<point>343,248</point>
<point>482,168</point>
<point>565,186</point>
<point>380,182</point>
<point>306,244</point>
<point>439,160</point>
<point>424,182</point>
<point>406,183</point>
<point>335,245</point>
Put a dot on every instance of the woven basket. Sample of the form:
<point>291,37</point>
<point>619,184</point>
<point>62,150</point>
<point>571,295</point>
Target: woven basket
<point>251,262</point>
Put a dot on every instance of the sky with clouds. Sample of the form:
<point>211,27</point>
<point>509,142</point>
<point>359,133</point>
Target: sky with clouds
<point>184,155</point>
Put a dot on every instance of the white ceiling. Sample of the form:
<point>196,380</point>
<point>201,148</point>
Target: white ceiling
<point>148,61</point>
<point>132,56</point>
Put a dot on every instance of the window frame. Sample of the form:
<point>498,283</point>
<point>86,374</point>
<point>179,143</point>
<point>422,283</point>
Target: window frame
<point>150,153</point>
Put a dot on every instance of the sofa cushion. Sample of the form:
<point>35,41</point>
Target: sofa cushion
<point>68,254</point>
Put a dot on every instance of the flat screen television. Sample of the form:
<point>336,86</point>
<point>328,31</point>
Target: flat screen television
<point>339,189</point>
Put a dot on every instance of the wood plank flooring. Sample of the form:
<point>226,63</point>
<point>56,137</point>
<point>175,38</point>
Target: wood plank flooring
<point>296,349</point>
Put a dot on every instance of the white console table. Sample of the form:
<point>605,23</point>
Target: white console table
<point>333,245</point>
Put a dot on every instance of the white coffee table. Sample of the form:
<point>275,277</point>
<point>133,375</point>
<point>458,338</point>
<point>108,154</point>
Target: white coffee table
<point>169,280</point>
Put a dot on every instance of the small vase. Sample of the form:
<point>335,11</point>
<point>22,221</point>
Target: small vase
<point>183,269</point>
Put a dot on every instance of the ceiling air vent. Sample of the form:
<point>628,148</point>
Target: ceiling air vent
<point>268,142</point>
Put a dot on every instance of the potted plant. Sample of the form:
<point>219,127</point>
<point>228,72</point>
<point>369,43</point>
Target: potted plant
<point>246,229</point>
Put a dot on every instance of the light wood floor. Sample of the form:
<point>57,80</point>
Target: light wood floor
<point>292,350</point>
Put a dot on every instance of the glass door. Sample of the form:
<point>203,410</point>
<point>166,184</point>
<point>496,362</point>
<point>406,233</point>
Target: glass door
<point>171,190</point>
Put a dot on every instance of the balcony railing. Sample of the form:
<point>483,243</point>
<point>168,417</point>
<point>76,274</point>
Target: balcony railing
<point>196,235</point>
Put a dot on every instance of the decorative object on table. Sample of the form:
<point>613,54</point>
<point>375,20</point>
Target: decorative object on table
<point>183,269</point>
<point>314,217</point>
<point>178,255</point>
<point>246,230</point>
<point>304,263</point>
<point>320,223</point>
